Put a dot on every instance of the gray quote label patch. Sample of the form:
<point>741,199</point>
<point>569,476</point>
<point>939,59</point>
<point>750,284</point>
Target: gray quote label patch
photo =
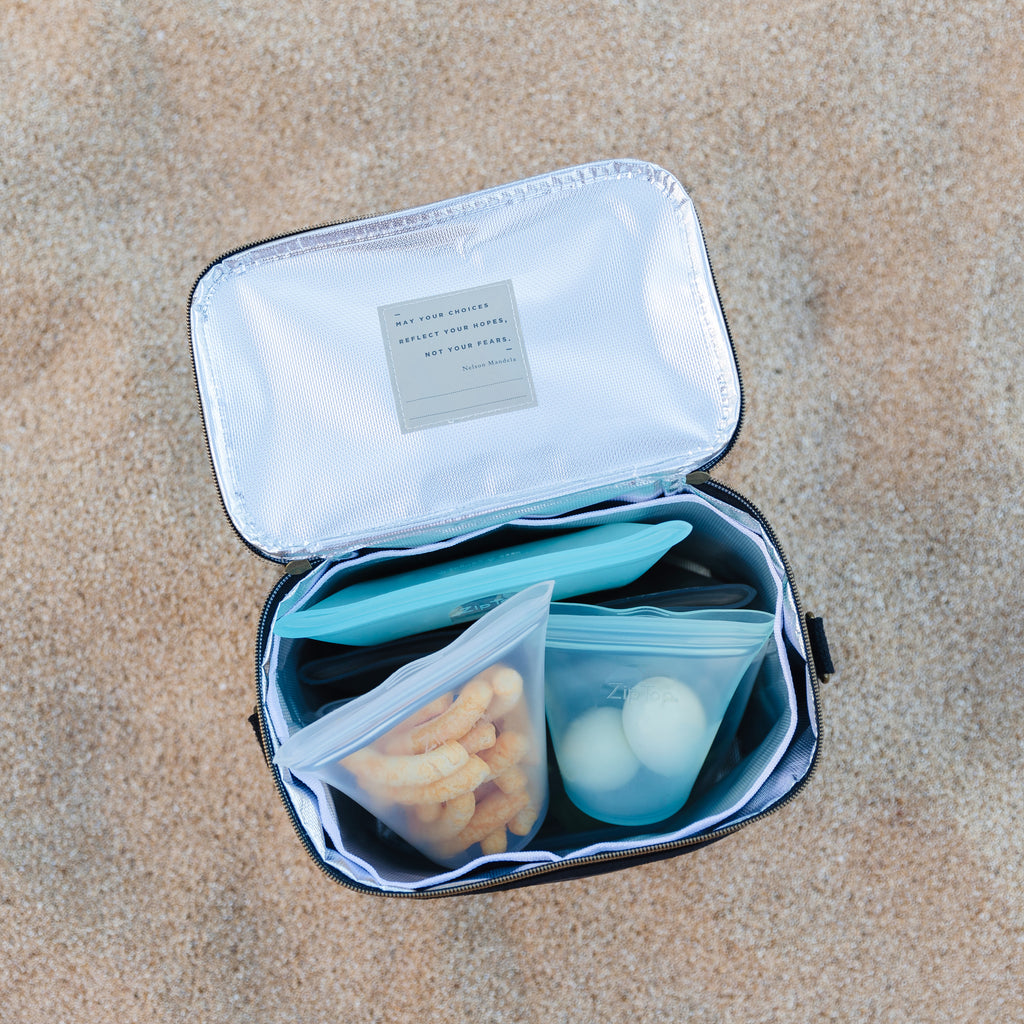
<point>456,356</point>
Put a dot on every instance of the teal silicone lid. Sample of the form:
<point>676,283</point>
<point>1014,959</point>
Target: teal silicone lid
<point>581,562</point>
<point>709,630</point>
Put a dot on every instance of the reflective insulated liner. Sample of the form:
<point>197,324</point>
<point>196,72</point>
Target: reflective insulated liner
<point>405,378</point>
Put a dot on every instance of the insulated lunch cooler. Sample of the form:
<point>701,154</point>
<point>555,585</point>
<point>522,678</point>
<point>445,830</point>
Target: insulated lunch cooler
<point>395,394</point>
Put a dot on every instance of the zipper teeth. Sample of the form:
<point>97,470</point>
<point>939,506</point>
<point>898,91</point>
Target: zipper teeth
<point>270,239</point>
<point>732,345</point>
<point>540,870</point>
<point>636,855</point>
<point>753,510</point>
<point>264,728</point>
<point>715,835</point>
<point>195,373</point>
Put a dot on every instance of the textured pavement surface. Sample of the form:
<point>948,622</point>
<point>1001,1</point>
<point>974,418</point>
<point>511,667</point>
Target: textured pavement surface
<point>857,169</point>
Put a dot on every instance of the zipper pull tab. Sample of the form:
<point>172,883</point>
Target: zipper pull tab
<point>697,477</point>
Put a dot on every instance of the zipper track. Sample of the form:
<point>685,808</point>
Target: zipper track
<point>195,373</point>
<point>270,239</point>
<point>628,858</point>
<point>732,345</point>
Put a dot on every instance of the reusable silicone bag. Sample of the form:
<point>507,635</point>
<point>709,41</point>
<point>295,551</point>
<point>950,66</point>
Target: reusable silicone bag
<point>635,699</point>
<point>579,562</point>
<point>449,752</point>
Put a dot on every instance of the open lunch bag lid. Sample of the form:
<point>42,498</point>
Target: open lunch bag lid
<point>405,378</point>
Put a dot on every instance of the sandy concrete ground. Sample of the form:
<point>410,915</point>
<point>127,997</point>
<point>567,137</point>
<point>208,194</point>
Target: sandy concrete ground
<point>857,168</point>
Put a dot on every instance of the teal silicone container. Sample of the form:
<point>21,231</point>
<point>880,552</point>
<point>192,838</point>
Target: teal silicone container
<point>635,700</point>
<point>580,562</point>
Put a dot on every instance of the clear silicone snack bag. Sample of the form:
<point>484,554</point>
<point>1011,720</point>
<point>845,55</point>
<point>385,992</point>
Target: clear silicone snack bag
<point>635,699</point>
<point>449,751</point>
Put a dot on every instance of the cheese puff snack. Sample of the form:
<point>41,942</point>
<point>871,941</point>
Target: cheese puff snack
<point>454,772</point>
<point>449,751</point>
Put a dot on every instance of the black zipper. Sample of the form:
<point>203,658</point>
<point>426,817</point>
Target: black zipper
<point>195,374</point>
<point>570,867</point>
<point>237,250</point>
<point>732,345</point>
<point>697,478</point>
